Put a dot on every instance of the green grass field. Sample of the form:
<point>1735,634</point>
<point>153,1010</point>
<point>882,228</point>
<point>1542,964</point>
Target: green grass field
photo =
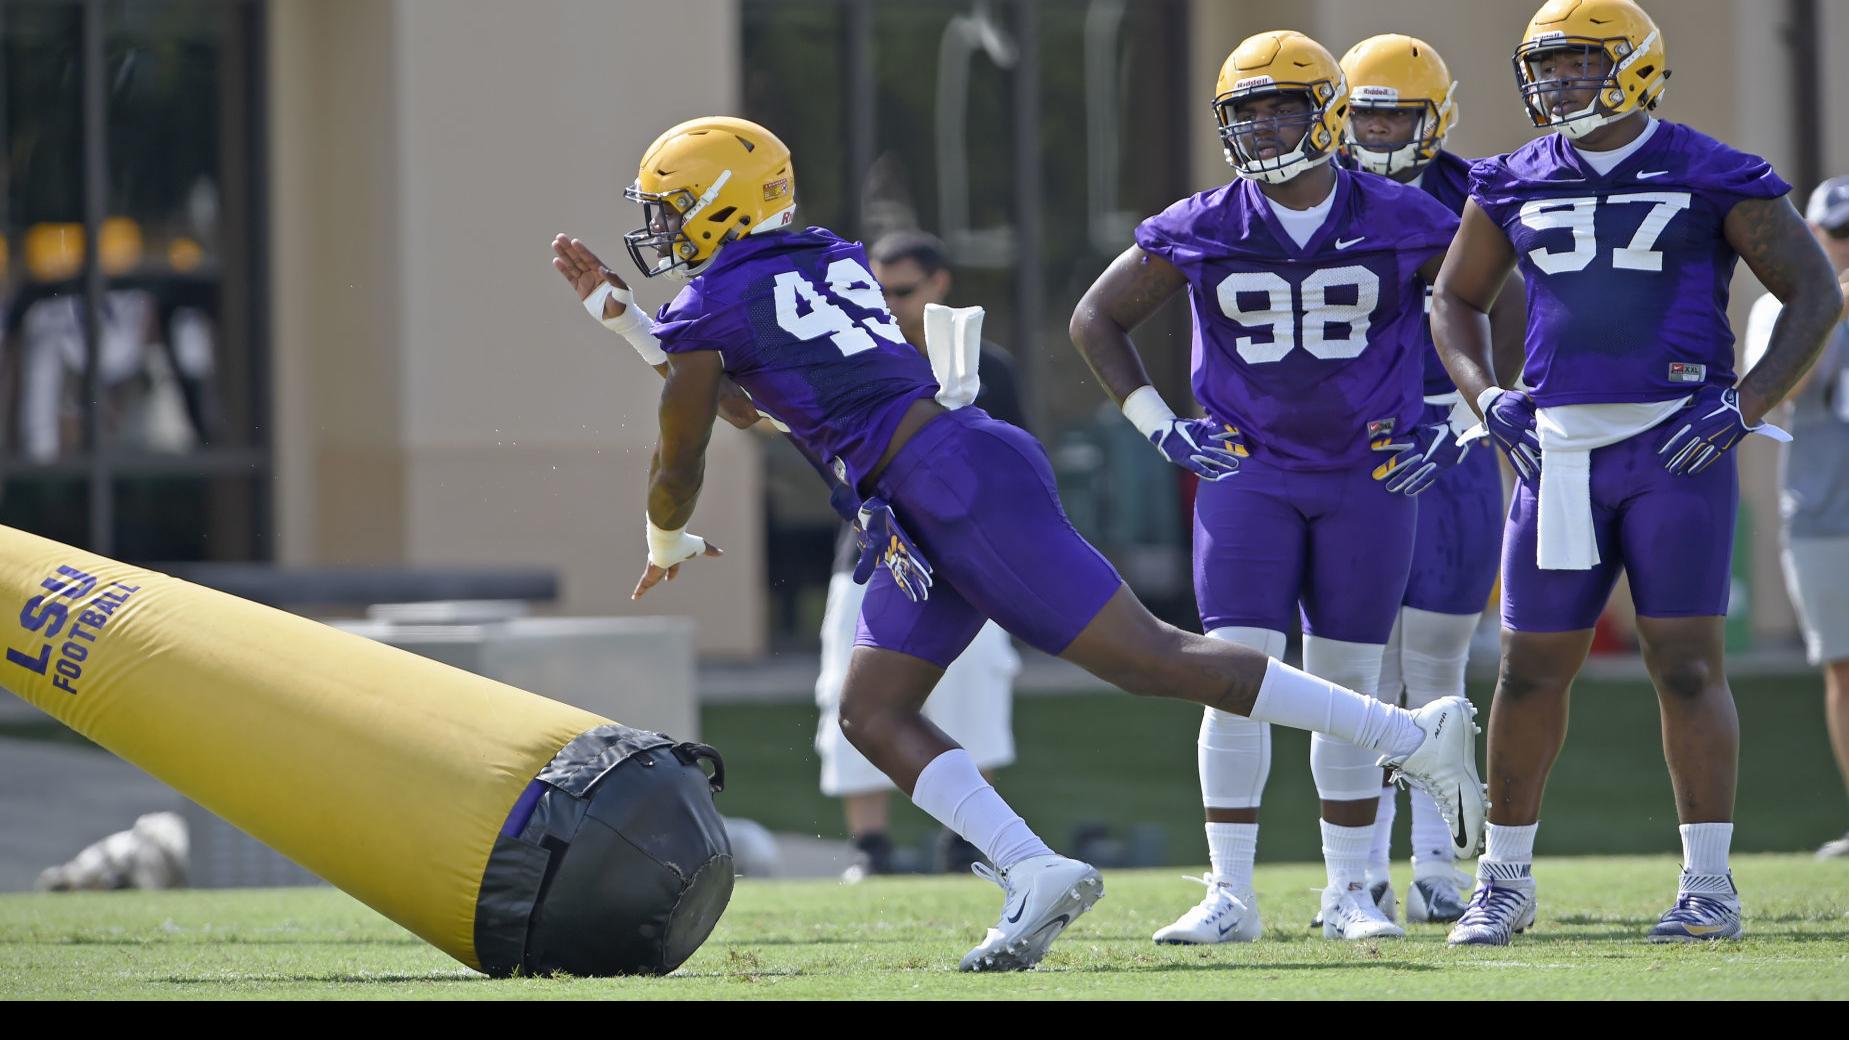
<point>1121,762</point>
<point>901,938</point>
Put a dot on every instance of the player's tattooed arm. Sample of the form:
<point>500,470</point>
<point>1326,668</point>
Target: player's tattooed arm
<point>689,404</point>
<point>1128,292</point>
<point>1469,282</point>
<point>1773,240</point>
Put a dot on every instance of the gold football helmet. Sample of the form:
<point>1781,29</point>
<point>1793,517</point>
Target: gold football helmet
<point>704,183</point>
<point>1617,28</point>
<point>1400,72</point>
<point>1281,63</point>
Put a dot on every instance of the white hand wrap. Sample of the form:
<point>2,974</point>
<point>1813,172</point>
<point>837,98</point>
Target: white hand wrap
<point>633,325</point>
<point>667,548</point>
<point>1148,412</point>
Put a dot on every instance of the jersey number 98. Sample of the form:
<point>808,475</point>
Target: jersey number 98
<point>1307,307</point>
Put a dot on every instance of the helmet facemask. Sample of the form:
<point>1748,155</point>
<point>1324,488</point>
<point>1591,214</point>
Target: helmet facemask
<point>668,220</point>
<point>1237,135</point>
<point>1607,103</point>
<point>1387,158</point>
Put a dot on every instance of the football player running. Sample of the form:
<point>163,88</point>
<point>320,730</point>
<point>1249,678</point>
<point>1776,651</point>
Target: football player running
<point>1403,103</point>
<point>1626,230</point>
<point>960,514</point>
<point>1305,283</point>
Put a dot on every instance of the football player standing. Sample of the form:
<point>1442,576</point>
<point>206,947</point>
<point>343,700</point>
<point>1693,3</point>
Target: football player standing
<point>1307,283</point>
<point>1402,105</point>
<point>1626,230</point>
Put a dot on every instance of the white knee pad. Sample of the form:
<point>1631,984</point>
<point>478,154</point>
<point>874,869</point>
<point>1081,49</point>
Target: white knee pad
<point>1344,772</point>
<point>1433,651</point>
<point>1234,752</point>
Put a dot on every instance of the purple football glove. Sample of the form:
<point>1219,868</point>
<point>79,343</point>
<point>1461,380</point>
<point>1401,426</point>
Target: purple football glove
<point>1707,429</point>
<point>1510,419</point>
<point>884,543</point>
<point>1201,446</point>
<point>1436,447</point>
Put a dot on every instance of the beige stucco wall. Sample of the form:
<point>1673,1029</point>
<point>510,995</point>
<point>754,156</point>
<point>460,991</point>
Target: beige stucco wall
<point>1731,81</point>
<point>439,396</point>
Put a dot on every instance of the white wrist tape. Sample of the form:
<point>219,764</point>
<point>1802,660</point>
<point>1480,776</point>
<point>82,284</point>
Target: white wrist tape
<point>667,548</point>
<point>1148,412</point>
<point>633,325</point>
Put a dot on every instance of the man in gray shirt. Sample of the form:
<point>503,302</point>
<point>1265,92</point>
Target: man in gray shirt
<point>1814,501</point>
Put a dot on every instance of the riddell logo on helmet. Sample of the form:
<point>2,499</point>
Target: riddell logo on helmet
<point>774,190</point>
<point>1253,81</point>
<point>1377,94</point>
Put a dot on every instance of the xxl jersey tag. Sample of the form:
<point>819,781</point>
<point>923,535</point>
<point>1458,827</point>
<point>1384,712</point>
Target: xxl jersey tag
<point>1684,372</point>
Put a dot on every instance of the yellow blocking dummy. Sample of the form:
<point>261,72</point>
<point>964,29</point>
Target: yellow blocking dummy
<point>389,775</point>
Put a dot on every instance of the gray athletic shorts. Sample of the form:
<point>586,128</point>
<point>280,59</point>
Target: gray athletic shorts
<point>1817,573</point>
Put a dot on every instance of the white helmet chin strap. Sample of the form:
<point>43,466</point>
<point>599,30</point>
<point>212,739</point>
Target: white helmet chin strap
<point>1373,160</point>
<point>1288,166</point>
<point>1576,125</point>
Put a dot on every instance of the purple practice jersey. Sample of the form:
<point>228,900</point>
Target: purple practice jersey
<point>1627,272</point>
<point>1447,179</point>
<point>801,325</point>
<point>1303,347</point>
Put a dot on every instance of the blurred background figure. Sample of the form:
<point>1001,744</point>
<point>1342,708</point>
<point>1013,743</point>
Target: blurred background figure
<point>1814,485</point>
<point>974,700</point>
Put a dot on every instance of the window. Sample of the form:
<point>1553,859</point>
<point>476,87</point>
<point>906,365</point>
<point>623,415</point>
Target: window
<point>132,369</point>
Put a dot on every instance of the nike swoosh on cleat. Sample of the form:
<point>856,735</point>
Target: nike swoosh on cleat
<point>1462,837</point>
<point>1652,173</point>
<point>1018,911</point>
<point>1344,244</point>
<point>1229,927</point>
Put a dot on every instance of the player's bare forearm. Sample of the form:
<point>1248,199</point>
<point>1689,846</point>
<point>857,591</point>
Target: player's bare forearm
<point>1779,249</point>
<point>1126,294</point>
<point>1465,291</point>
<point>689,403</point>
<point>1508,331</point>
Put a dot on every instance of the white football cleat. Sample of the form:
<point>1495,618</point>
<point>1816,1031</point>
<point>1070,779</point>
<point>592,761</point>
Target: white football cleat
<point>1497,911</point>
<point>1351,913</point>
<point>1437,893</point>
<point>1381,890</point>
<point>1445,767</point>
<point>1040,897</point>
<point>1221,916</point>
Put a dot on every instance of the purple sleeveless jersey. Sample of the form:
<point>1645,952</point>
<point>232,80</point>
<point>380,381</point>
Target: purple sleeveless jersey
<point>802,326</point>
<point>1303,348</point>
<point>1627,272</point>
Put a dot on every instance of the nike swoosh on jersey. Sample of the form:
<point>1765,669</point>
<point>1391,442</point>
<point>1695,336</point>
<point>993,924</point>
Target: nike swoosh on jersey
<point>1340,244</point>
<point>1652,173</point>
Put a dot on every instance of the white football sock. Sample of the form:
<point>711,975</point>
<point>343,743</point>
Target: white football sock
<point>1232,847</point>
<point>1705,847</point>
<point>1380,854</point>
<point>953,791</point>
<point>1508,854</point>
<point>1290,697</point>
<point>1345,854</point>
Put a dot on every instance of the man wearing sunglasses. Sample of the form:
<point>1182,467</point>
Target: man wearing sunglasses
<point>1814,484</point>
<point>974,700</point>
